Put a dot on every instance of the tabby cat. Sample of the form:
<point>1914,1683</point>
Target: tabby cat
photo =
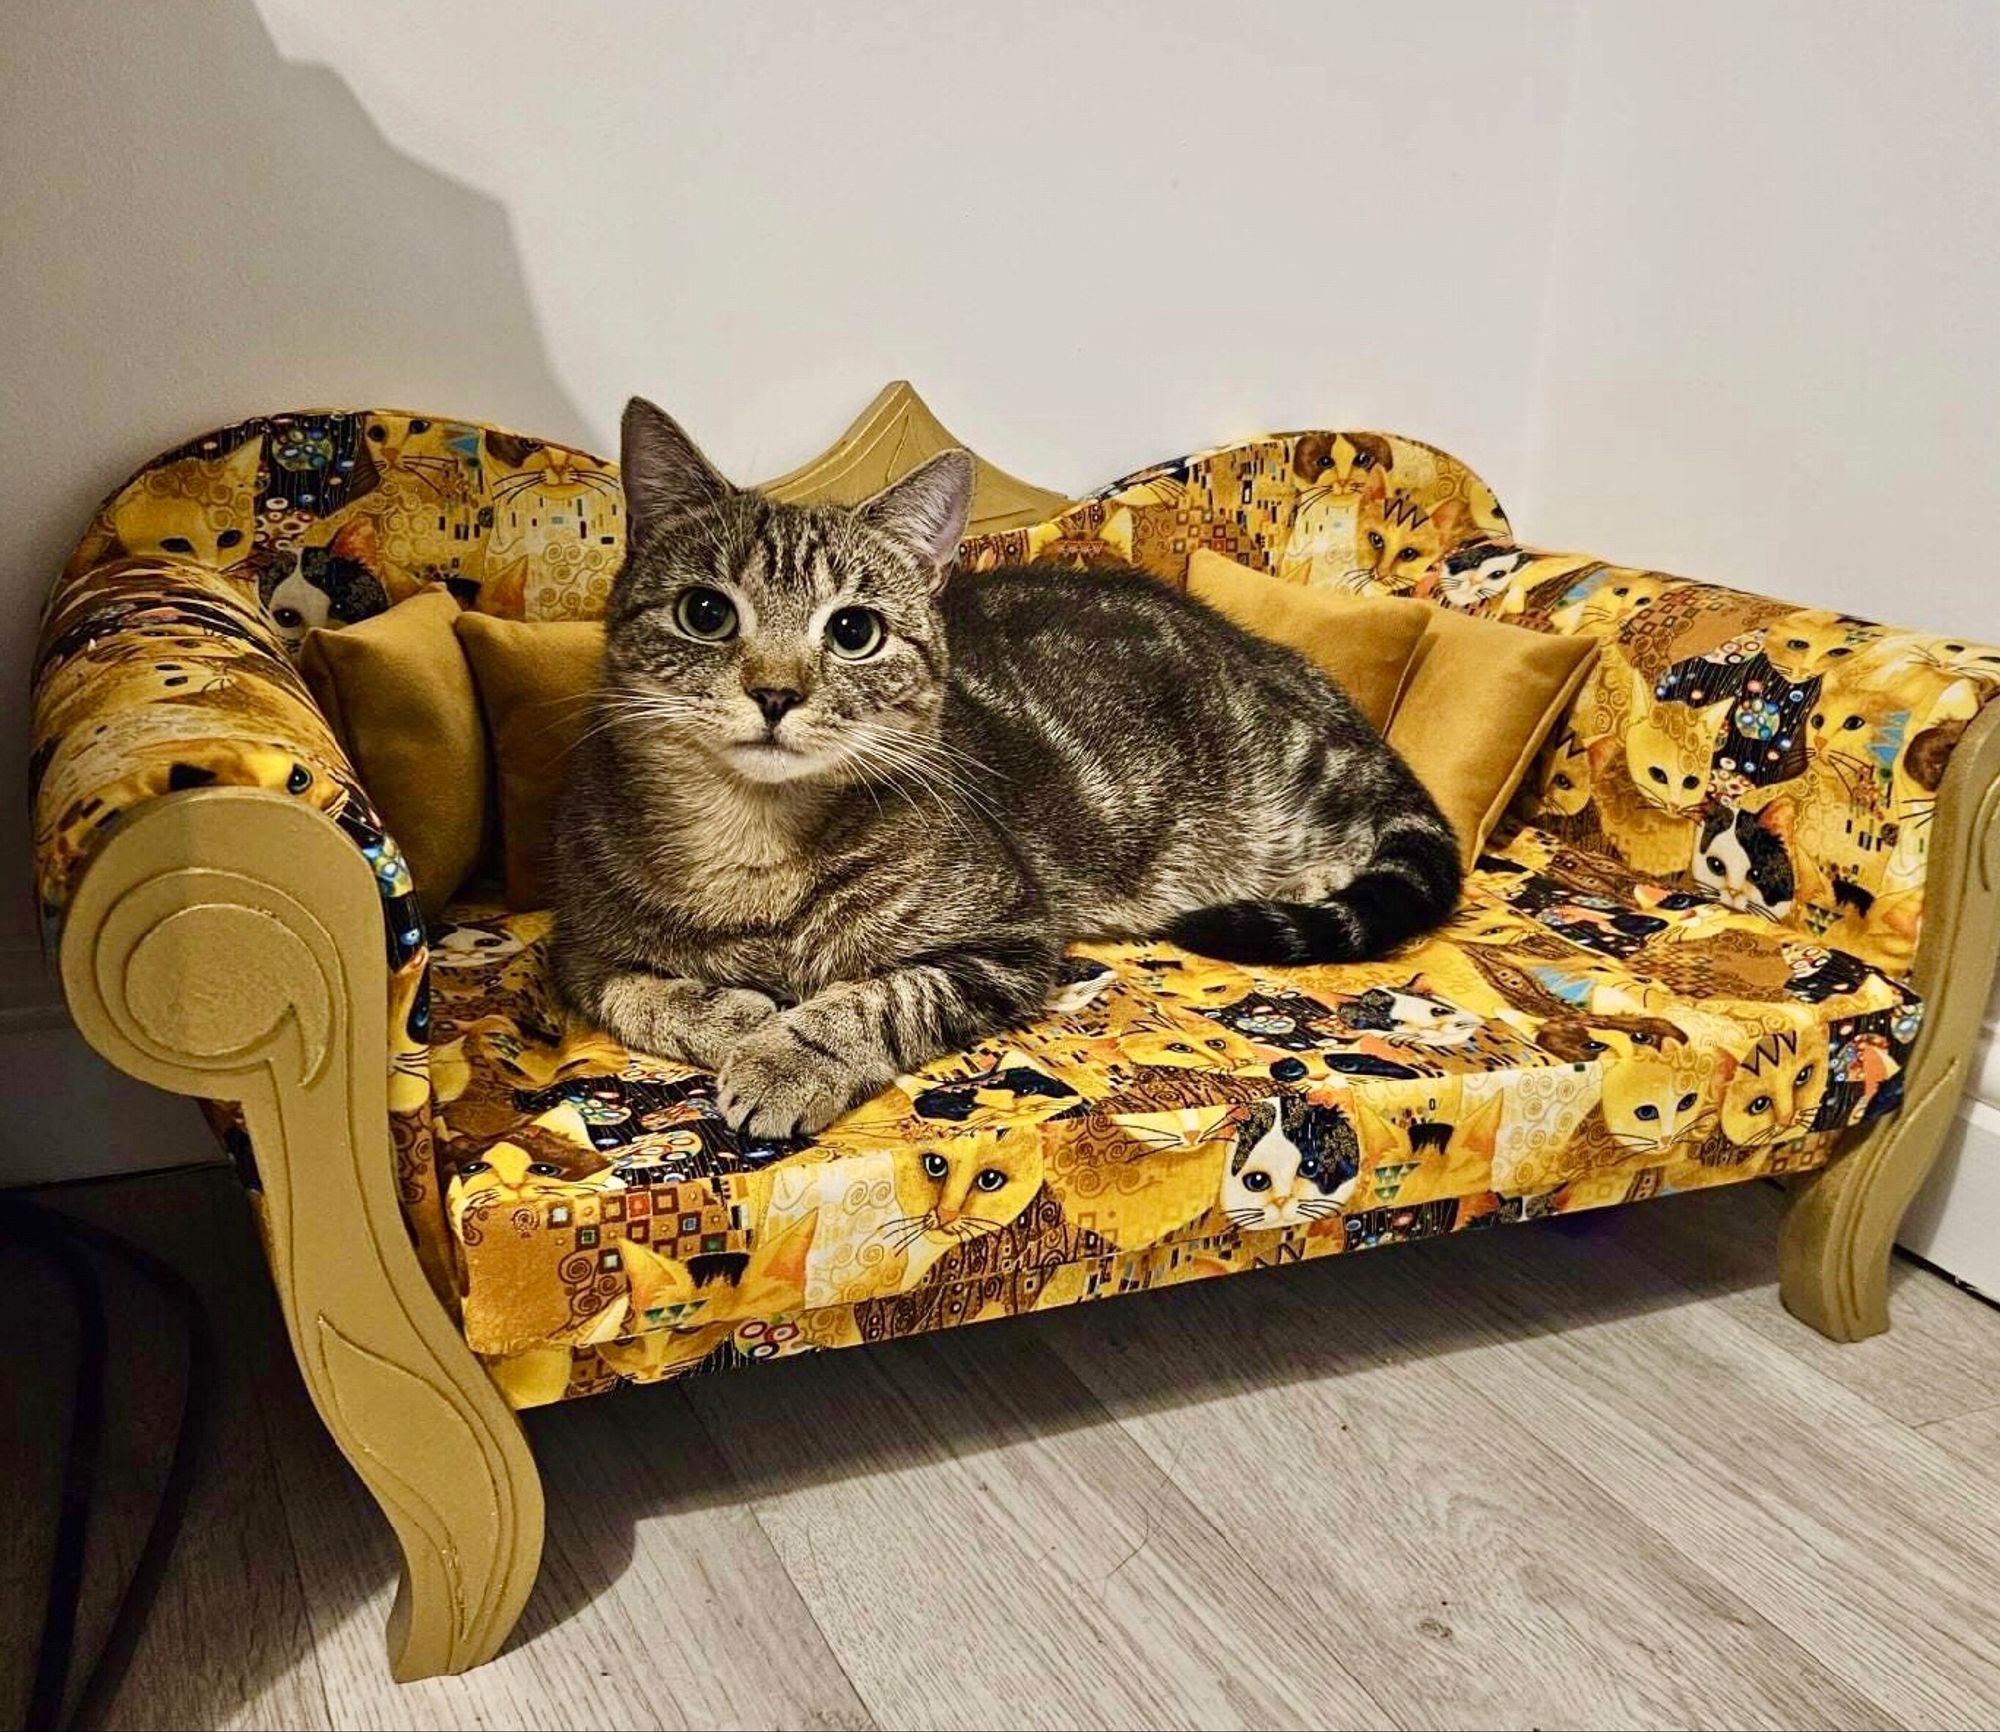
<point>834,815</point>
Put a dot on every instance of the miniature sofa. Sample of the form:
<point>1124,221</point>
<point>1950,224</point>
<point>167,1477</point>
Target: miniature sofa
<point>1713,942</point>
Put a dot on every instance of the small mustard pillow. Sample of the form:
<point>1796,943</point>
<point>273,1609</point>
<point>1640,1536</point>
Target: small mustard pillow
<point>1469,700</point>
<point>535,679</point>
<point>1364,643</point>
<point>399,697</point>
<point>1481,698</point>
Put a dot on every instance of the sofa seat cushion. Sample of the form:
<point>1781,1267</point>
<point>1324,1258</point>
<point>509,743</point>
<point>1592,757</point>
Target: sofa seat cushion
<point>1568,1041</point>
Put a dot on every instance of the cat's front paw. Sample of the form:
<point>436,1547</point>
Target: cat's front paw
<point>777,1084</point>
<point>682,1019</point>
<point>720,1021</point>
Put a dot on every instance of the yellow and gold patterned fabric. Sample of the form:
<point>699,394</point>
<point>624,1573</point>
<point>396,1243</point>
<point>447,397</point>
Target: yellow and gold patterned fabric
<point>1686,968</point>
<point>1786,759</point>
<point>1571,1040</point>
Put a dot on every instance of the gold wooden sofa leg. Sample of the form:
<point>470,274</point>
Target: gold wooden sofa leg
<point>227,943</point>
<point>1841,1222</point>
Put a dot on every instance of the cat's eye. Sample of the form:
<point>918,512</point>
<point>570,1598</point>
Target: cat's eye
<point>176,544</point>
<point>990,1179</point>
<point>1805,1076</point>
<point>1659,775</point>
<point>706,615</point>
<point>1687,1102</point>
<point>472,1168</point>
<point>1255,1181</point>
<point>1690,782</point>
<point>1797,643</point>
<point>1563,781</point>
<point>229,538</point>
<point>1762,1104</point>
<point>545,1169</point>
<point>855,633</point>
<point>1407,554</point>
<point>420,426</point>
<point>1713,863</point>
<point>377,432</point>
<point>299,780</point>
<point>1819,721</point>
<point>1852,723</point>
<point>936,1166</point>
<point>288,617</point>
<point>1375,540</point>
<point>1646,1114</point>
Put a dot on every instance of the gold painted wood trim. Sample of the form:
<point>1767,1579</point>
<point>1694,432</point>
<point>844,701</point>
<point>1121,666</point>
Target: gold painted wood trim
<point>1841,1222</point>
<point>891,437</point>
<point>227,943</point>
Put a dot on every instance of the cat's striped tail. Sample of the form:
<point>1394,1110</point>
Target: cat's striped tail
<point>1410,885</point>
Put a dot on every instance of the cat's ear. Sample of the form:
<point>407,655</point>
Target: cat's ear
<point>927,510</point>
<point>665,474</point>
<point>1453,521</point>
<point>357,541</point>
<point>1779,818</point>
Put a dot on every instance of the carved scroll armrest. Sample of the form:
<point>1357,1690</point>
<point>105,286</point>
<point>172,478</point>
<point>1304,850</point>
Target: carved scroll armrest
<point>227,943</point>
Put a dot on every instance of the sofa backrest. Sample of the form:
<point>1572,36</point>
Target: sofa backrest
<point>1798,750</point>
<point>1786,758</point>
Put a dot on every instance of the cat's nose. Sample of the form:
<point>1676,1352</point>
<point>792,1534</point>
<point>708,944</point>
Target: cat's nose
<point>776,702</point>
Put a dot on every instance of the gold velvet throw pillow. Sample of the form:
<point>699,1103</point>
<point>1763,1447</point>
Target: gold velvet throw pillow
<point>1481,698</point>
<point>1364,643</point>
<point>397,692</point>
<point>1471,699</point>
<point>535,678</point>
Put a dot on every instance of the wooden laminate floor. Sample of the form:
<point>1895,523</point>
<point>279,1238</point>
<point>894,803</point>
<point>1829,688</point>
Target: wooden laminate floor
<point>1585,1476</point>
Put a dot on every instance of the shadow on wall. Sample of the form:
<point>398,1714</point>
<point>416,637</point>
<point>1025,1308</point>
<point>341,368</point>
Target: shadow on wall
<point>198,230</point>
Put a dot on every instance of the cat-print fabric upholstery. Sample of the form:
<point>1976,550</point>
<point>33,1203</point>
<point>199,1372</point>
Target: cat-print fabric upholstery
<point>1570,1040</point>
<point>1686,969</point>
<point>1785,759</point>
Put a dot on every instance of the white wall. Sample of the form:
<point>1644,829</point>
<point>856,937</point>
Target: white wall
<point>1695,285</point>
<point>1771,351</point>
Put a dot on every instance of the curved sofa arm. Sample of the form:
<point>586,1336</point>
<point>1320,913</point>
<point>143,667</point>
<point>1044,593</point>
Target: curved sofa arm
<point>222,942</point>
<point>153,677</point>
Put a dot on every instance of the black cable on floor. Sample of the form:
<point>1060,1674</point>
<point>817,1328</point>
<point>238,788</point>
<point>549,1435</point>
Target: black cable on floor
<point>65,1241</point>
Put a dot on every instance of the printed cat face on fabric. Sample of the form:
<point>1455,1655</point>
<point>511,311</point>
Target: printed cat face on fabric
<point>1743,859</point>
<point>1773,1093</point>
<point>781,642</point>
<point>327,585</point>
<point>198,508</point>
<point>1653,1096</point>
<point>954,1190</point>
<point>1293,1162</point>
<point>1398,544</point>
<point>1410,1015</point>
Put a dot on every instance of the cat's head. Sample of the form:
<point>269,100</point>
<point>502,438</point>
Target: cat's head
<point>1476,574</point>
<point>1397,543</point>
<point>331,585</point>
<point>1772,1093</point>
<point>1653,1097</point>
<point>1669,749</point>
<point>1341,459</point>
<point>1293,1162</point>
<point>962,1188</point>
<point>1565,775</point>
<point>783,641</point>
<point>1741,858</point>
<point>409,442</point>
<point>201,509</point>
<point>1411,1013</point>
